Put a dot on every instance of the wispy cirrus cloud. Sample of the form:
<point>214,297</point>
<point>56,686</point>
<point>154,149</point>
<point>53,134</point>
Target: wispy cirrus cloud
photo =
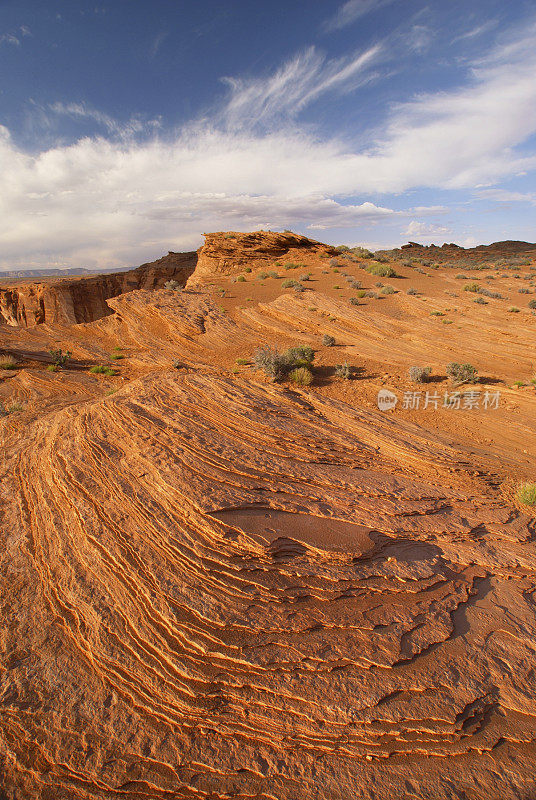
<point>351,11</point>
<point>299,82</point>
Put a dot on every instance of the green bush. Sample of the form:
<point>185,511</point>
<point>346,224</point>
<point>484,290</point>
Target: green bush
<point>388,290</point>
<point>526,494</point>
<point>461,373</point>
<point>240,279</point>
<point>301,353</point>
<point>381,270</point>
<point>102,369</point>
<point>301,376</point>
<point>532,304</point>
<point>513,310</point>
<point>173,285</point>
<point>59,358</point>
<point>289,283</point>
<point>471,287</point>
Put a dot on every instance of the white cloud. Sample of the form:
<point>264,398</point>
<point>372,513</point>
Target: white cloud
<point>9,38</point>
<point>425,230</point>
<point>505,196</point>
<point>353,10</point>
<point>299,82</point>
<point>125,198</point>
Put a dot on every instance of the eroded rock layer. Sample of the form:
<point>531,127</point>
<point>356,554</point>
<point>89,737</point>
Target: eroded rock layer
<point>218,586</point>
<point>85,299</point>
<point>217,589</point>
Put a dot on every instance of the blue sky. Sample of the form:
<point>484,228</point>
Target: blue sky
<point>128,128</point>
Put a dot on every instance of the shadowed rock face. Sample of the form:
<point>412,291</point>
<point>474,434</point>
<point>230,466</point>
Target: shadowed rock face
<point>84,299</point>
<point>214,586</point>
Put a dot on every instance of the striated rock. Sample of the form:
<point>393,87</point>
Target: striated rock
<point>84,299</point>
<point>229,253</point>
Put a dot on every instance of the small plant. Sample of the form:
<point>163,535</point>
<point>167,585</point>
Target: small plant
<point>299,356</point>
<point>240,279</point>
<point>420,374</point>
<point>524,290</point>
<point>117,356</point>
<point>242,362</point>
<point>305,277</point>
<point>102,369</point>
<point>471,287</point>
<point>289,283</point>
<point>513,310</point>
<point>381,270</point>
<point>59,358</point>
<point>337,286</point>
<point>355,284</point>
<point>328,340</point>
<point>354,301</point>
<point>262,276</point>
<point>532,304</point>
<point>12,408</point>
<point>173,285</point>
<point>7,362</point>
<point>361,293</point>
<point>343,371</point>
<point>333,262</point>
<point>480,301</point>
<point>301,376</point>
<point>178,364</point>
<point>247,269</point>
<point>526,494</point>
<point>388,290</point>
<point>413,291</point>
<point>273,274</point>
<point>270,361</point>
<point>298,287</point>
<point>461,373</point>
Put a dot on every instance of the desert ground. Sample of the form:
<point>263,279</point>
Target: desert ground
<point>219,583</point>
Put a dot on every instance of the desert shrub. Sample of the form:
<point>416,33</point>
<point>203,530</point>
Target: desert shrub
<point>301,376</point>
<point>494,295</point>
<point>524,290</point>
<point>355,284</point>
<point>526,494</point>
<point>7,362</point>
<point>480,301</point>
<point>378,284</point>
<point>532,304</point>
<point>354,301</point>
<point>419,374</point>
<point>328,340</point>
<point>471,287</point>
<point>242,362</point>
<point>388,290</point>
<point>381,270</point>
<point>333,262</point>
<point>273,274</point>
<point>247,269</point>
<point>381,259</point>
<point>419,269</point>
<point>270,361</point>
<point>412,291</point>
<point>289,283</point>
<point>513,310</point>
<point>374,295</point>
<point>300,355</point>
<point>361,293</point>
<point>102,369</point>
<point>240,279</point>
<point>305,277</point>
<point>59,358</point>
<point>343,371</point>
<point>298,287</point>
<point>174,285</point>
<point>461,373</point>
<point>342,248</point>
<point>262,276</point>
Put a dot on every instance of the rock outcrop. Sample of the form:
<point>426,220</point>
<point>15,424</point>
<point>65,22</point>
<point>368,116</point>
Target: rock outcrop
<point>85,299</point>
<point>229,253</point>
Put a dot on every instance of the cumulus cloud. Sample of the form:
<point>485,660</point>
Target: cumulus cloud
<point>425,229</point>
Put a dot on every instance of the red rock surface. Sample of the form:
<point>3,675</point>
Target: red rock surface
<point>84,299</point>
<point>215,586</point>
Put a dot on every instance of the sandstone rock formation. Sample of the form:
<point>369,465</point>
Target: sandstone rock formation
<point>84,299</point>
<point>218,586</point>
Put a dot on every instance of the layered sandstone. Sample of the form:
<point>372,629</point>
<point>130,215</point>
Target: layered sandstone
<point>85,299</point>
